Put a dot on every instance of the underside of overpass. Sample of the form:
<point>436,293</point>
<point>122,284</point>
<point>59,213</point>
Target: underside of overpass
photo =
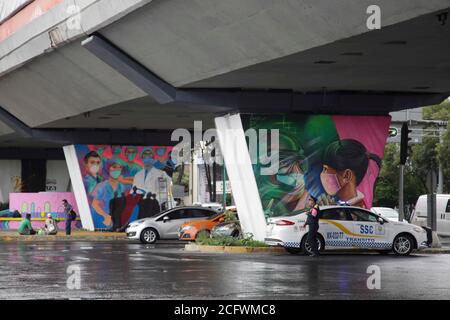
<point>136,71</point>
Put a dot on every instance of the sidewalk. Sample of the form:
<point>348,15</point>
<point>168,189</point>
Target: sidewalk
<point>61,236</point>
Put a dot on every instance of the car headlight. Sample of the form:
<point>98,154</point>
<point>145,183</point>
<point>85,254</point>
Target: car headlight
<point>186,228</point>
<point>136,223</point>
<point>419,230</point>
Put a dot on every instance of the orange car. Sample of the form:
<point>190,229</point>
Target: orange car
<point>190,230</point>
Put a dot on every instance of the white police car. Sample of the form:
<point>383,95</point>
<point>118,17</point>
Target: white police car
<point>343,227</point>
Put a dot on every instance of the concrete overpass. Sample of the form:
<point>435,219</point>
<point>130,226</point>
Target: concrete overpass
<point>152,66</point>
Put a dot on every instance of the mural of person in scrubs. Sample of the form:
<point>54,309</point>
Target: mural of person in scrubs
<point>100,151</point>
<point>345,163</point>
<point>105,191</point>
<point>93,165</point>
<point>148,179</point>
<point>131,168</point>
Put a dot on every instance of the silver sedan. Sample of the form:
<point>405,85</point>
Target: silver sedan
<point>166,224</point>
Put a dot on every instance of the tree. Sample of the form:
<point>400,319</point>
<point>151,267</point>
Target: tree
<point>443,154</point>
<point>441,112</point>
<point>386,192</point>
<point>423,158</point>
<point>438,112</point>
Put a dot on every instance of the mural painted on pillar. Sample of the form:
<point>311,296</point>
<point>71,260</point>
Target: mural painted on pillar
<point>334,158</point>
<point>125,183</point>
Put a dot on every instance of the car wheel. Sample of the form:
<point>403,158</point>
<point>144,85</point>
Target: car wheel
<point>235,234</point>
<point>293,250</point>
<point>306,247</point>
<point>149,236</point>
<point>403,245</point>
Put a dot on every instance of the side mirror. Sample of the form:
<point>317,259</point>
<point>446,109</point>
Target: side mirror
<point>221,220</point>
<point>165,219</point>
<point>380,220</point>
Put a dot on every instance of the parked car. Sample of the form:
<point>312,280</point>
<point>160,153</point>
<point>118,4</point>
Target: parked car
<point>166,224</point>
<point>230,228</point>
<point>347,228</point>
<point>419,216</point>
<point>190,230</point>
<point>210,205</point>
<point>385,212</point>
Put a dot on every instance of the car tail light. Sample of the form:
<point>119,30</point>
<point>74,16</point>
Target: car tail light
<point>284,223</point>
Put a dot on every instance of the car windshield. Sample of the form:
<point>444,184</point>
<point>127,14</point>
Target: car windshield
<point>388,213</point>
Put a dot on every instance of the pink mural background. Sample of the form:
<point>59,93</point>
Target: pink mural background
<point>38,205</point>
<point>372,133</point>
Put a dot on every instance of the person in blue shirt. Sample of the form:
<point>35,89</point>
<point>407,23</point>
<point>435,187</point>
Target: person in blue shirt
<point>104,193</point>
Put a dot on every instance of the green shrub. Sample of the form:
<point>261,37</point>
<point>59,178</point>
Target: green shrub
<point>247,241</point>
<point>230,216</point>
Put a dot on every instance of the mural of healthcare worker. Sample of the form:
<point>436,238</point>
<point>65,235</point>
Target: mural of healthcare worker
<point>131,167</point>
<point>101,151</point>
<point>336,159</point>
<point>345,163</point>
<point>125,183</point>
<point>93,166</point>
<point>104,192</point>
<point>151,179</point>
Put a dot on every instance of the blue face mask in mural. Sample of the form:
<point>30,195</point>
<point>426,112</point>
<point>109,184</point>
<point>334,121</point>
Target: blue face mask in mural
<point>149,161</point>
<point>115,174</point>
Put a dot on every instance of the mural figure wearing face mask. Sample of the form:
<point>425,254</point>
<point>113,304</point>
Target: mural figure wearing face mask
<point>149,179</point>
<point>93,166</point>
<point>105,191</point>
<point>345,164</point>
<point>131,167</point>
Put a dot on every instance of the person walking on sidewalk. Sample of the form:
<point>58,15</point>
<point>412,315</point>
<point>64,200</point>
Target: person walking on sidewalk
<point>25,227</point>
<point>70,215</point>
<point>313,222</point>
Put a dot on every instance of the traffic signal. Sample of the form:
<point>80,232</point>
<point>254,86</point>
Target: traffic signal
<point>404,143</point>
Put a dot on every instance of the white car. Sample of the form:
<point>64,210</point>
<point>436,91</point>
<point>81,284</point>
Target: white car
<point>385,212</point>
<point>166,225</point>
<point>347,228</point>
<point>420,214</point>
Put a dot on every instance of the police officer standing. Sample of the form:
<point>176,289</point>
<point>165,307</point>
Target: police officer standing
<point>313,222</point>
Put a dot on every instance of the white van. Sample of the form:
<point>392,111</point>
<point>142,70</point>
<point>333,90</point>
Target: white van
<point>419,216</point>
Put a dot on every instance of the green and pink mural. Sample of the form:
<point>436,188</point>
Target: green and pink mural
<point>336,159</point>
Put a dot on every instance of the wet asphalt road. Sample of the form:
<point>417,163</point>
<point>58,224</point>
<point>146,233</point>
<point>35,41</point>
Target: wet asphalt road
<point>124,270</point>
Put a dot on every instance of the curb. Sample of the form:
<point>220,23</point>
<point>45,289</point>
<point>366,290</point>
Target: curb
<point>226,249</point>
<point>59,239</point>
<point>62,237</point>
<point>435,251</point>
<point>248,250</point>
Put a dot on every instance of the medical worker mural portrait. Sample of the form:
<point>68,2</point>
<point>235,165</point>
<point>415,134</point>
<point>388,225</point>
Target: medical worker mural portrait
<point>125,183</point>
<point>336,159</point>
